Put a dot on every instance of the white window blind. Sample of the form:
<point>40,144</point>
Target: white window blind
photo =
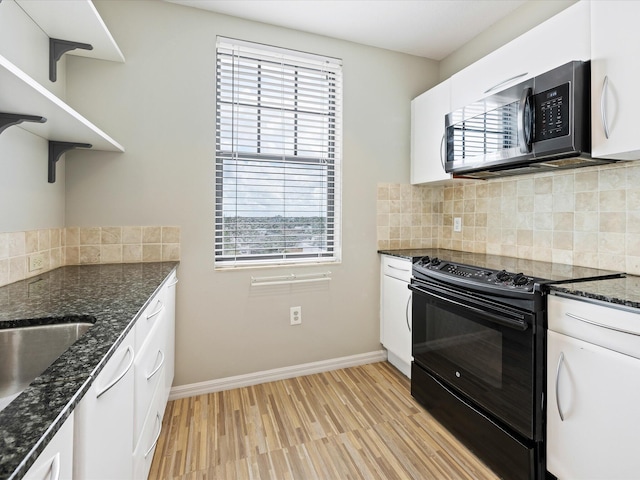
<point>278,129</point>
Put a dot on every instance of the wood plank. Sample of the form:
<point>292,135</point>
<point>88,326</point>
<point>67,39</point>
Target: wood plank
<point>354,423</point>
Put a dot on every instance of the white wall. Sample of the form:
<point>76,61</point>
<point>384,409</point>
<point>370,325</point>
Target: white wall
<point>27,200</point>
<point>160,105</point>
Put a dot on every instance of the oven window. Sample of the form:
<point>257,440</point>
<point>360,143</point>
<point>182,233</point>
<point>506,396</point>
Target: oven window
<point>476,348</point>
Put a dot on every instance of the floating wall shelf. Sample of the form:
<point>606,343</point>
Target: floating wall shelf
<point>75,20</point>
<point>20,92</point>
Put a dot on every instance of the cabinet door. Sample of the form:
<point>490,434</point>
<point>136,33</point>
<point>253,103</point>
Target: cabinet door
<point>56,460</point>
<point>396,312</point>
<point>598,393</point>
<point>103,446</point>
<point>427,134</point>
<point>539,50</point>
<point>615,66</point>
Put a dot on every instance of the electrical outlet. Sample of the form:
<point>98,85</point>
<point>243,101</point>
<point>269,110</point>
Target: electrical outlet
<point>457,224</point>
<point>295,315</point>
<point>36,262</point>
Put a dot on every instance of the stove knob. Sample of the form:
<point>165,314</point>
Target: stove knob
<point>424,260</point>
<point>435,262</point>
<point>503,276</point>
<point>520,279</point>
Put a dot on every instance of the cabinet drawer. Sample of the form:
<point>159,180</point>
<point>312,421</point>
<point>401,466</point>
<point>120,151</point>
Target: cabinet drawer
<point>149,371</point>
<point>150,316</point>
<point>57,457</point>
<point>151,429</point>
<point>396,267</point>
<point>603,325</point>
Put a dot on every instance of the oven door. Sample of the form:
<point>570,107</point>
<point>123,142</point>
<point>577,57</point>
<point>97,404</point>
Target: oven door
<point>480,348</point>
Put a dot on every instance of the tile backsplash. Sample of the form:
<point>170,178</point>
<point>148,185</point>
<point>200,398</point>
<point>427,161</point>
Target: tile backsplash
<point>587,217</point>
<point>84,245</point>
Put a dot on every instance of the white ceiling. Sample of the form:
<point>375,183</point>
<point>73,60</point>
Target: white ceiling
<point>427,28</point>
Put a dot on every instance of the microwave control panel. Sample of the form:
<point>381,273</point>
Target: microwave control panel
<point>552,113</point>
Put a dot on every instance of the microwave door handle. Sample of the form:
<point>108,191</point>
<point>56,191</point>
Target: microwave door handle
<point>603,106</point>
<point>504,82</point>
<point>525,121</point>
<point>441,155</point>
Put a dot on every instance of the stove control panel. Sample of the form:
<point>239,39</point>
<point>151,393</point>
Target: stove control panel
<point>500,278</point>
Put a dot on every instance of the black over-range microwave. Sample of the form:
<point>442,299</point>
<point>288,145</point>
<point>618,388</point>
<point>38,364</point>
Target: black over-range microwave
<point>540,124</point>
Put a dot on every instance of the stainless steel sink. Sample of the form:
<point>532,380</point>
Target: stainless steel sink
<point>26,352</point>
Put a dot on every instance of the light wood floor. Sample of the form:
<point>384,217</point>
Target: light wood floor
<point>354,423</point>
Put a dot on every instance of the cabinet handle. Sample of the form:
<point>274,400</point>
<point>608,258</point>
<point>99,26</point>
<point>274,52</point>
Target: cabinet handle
<point>398,268</point>
<point>159,421</point>
<point>54,468</point>
<point>149,317</point>
<point>406,311</point>
<point>603,106</point>
<point>441,154</point>
<point>172,283</point>
<point>601,325</point>
<point>161,353</point>
<point>560,362</point>
<point>119,377</point>
<point>505,82</point>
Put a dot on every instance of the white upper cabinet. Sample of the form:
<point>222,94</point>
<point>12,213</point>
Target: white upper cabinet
<point>615,65</point>
<point>563,38</point>
<point>427,134</point>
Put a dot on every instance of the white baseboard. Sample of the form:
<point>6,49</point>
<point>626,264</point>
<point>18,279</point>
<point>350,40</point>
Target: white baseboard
<point>256,378</point>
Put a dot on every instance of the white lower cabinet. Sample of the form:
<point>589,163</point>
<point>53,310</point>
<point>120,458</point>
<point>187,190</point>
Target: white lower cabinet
<point>593,392</point>
<point>103,442</point>
<point>395,311</point>
<point>56,460</point>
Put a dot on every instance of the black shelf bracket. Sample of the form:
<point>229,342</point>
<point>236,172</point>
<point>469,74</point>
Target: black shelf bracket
<point>9,119</point>
<point>57,48</point>
<point>56,149</point>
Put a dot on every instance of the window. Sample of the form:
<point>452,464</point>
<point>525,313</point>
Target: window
<point>278,128</point>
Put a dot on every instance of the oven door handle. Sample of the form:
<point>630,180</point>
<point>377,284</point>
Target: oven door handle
<point>506,322</point>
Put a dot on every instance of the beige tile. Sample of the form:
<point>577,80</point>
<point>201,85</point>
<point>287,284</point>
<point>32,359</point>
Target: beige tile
<point>4,271</point>
<point>509,188</point>
<point>383,206</point>
<point>586,221</point>
<point>383,233</point>
<point>525,203</point>
<point>585,259</point>
<point>586,180</point>
<point>416,206</point>
<point>586,201</point>
<point>562,184</point>
<point>394,192</point>
<point>72,255</point>
<point>586,242</point>
<point>405,243</point>
<point>395,207</point>
<point>564,202</point>
<point>382,220</point>
<point>17,268</point>
<point>44,240</point>
<point>543,239</point>
<point>632,265</point>
<point>31,241</point>
<point>525,238</point>
<point>17,244</point>
<point>542,203</point>
<point>89,236</point>
<point>71,237</point>
<point>111,253</point>
<point>55,257</point>
<point>525,187</point>
<point>394,244</point>
<point>563,240</point>
<point>613,177</point>
<point>613,201</point>
<point>543,185</point>
<point>563,221</point>
<point>89,254</point>
<point>632,247</point>
<point>448,194</point>
<point>633,198</point>
<point>383,191</point>
<point>468,220</point>
<point>383,244</point>
<point>416,232</point>
<point>395,220</point>
<point>55,236</point>
<point>633,222</point>
<point>151,253</point>
<point>131,235</point>
<point>613,222</point>
<point>110,236</point>
<point>4,246</point>
<point>151,235</point>
<point>611,243</point>
<point>405,233</point>
<point>132,253</point>
<point>562,256</point>
<point>611,262</point>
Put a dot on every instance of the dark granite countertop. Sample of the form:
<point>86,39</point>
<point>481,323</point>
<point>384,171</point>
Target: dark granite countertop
<point>112,294</point>
<point>548,272</point>
<point>618,291</point>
